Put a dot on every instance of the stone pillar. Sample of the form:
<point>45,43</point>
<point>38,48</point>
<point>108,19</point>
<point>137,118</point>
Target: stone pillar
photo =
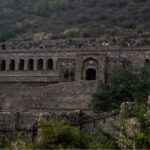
<point>0,65</point>
<point>7,65</point>
<point>44,64</point>
<point>35,64</point>
<point>16,65</point>
<point>101,69</point>
<point>26,64</point>
<point>148,101</point>
<point>55,64</point>
<point>78,69</point>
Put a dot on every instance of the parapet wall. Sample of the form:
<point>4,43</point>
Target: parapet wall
<point>79,43</point>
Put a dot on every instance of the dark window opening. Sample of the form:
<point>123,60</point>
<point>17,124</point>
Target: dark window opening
<point>91,74</point>
<point>30,64</point>
<point>147,61</point>
<point>50,64</point>
<point>40,64</point>
<point>66,76</point>
<point>3,46</point>
<point>12,65</point>
<point>21,64</point>
<point>3,65</point>
<point>69,76</point>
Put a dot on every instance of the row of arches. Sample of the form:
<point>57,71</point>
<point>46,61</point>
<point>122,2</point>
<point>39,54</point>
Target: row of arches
<point>30,63</point>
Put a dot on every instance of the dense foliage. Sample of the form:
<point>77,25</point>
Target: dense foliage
<point>92,18</point>
<point>54,135</point>
<point>130,84</point>
<point>129,88</point>
<point>131,128</point>
<point>58,134</point>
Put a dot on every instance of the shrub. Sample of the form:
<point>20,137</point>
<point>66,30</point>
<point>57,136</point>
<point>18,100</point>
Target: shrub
<point>58,134</point>
<point>56,5</point>
<point>53,135</point>
<point>72,32</point>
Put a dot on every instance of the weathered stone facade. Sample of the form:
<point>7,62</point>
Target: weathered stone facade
<point>60,73</point>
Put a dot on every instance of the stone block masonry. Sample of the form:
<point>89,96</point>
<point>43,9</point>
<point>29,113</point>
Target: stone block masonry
<point>33,97</point>
<point>61,74</point>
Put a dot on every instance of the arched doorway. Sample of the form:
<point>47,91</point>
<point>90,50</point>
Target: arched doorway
<point>91,74</point>
<point>89,69</point>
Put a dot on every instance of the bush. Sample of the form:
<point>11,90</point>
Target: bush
<point>56,5</point>
<point>58,134</point>
<point>54,135</point>
<point>133,127</point>
<point>72,32</point>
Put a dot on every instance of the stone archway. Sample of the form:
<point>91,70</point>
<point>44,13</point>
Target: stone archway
<point>91,74</point>
<point>89,69</point>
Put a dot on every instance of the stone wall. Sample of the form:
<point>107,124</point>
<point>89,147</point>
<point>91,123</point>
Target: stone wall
<point>65,62</point>
<point>48,97</point>
<point>62,73</point>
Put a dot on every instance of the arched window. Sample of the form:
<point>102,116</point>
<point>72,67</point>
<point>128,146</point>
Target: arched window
<point>3,65</point>
<point>147,61</point>
<point>21,64</point>
<point>49,64</point>
<point>30,64</point>
<point>12,65</point>
<point>40,64</point>
<point>91,74</point>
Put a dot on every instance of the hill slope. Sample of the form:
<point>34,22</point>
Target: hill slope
<point>73,18</point>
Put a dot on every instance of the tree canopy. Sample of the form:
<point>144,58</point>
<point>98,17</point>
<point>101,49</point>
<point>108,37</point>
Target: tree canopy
<point>129,84</point>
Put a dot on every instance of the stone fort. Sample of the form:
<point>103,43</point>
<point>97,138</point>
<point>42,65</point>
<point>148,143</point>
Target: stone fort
<point>62,74</point>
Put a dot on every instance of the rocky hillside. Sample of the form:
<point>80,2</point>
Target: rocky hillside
<point>44,19</point>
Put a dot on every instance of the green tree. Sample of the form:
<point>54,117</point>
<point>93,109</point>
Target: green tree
<point>127,85</point>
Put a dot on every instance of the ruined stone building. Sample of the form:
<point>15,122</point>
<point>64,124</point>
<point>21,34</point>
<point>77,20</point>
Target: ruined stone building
<point>61,74</point>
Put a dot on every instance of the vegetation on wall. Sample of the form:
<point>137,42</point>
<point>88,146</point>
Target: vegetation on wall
<point>54,135</point>
<point>131,128</point>
<point>93,18</point>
